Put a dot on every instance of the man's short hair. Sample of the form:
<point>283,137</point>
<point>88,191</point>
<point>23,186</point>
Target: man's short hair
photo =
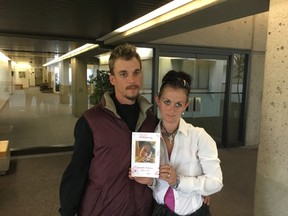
<point>123,51</point>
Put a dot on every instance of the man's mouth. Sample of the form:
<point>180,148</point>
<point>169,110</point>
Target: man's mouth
<point>132,87</point>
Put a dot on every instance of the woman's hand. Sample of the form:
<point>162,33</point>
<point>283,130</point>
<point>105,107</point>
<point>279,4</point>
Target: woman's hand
<point>141,180</point>
<point>168,174</point>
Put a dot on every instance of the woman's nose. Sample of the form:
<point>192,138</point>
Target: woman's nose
<point>171,107</point>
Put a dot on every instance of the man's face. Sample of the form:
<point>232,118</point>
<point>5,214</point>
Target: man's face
<point>127,80</point>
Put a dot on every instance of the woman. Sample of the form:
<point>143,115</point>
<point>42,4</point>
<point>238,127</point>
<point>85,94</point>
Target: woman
<point>190,168</point>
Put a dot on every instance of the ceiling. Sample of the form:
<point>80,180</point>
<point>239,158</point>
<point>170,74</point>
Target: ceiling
<point>36,30</point>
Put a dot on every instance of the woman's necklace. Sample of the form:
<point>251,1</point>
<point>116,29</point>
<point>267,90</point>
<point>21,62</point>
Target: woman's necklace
<point>170,136</point>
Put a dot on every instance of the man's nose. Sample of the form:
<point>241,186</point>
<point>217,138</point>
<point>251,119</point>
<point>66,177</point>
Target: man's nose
<point>131,78</point>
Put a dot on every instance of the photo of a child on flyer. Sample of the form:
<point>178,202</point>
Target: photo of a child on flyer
<point>145,152</point>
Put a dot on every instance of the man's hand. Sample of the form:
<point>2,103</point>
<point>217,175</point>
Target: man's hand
<point>206,200</point>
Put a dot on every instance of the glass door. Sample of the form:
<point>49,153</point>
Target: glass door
<point>236,100</point>
<point>207,96</point>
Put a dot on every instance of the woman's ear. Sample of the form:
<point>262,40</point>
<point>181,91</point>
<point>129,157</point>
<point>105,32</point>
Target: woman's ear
<point>156,99</point>
<point>186,105</point>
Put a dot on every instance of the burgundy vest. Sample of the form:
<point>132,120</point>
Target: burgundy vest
<point>109,191</point>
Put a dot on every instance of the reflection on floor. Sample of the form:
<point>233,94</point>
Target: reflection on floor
<point>32,119</point>
<point>31,187</point>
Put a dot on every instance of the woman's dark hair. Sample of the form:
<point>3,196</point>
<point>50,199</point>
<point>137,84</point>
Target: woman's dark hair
<point>176,79</point>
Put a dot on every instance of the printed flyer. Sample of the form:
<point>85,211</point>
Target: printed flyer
<point>145,154</point>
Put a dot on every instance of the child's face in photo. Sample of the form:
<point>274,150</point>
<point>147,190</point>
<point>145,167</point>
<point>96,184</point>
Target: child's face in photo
<point>145,151</point>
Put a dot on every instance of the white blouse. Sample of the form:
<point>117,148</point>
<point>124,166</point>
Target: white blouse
<point>195,158</point>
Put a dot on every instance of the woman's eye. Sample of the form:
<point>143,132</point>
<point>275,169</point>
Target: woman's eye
<point>178,105</point>
<point>167,102</point>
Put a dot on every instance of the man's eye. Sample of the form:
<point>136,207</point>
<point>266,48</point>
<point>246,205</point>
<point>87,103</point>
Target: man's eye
<point>137,73</point>
<point>123,74</point>
<point>167,102</point>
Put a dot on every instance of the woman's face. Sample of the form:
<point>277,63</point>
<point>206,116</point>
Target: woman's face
<point>172,104</point>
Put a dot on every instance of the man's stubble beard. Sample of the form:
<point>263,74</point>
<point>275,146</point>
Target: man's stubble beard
<point>132,98</point>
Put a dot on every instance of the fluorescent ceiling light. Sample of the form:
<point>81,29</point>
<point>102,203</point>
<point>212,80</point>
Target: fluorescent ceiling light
<point>104,58</point>
<point>72,53</point>
<point>4,57</point>
<point>161,15</point>
<point>144,53</point>
<point>158,12</point>
<point>23,65</point>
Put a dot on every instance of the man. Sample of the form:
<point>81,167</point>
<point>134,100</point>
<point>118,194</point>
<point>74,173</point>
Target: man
<point>96,180</point>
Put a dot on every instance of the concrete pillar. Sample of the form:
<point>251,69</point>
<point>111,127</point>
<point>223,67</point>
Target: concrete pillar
<point>45,74</point>
<point>79,86</point>
<point>52,77</point>
<point>64,91</point>
<point>11,85</point>
<point>252,131</point>
<point>271,189</point>
<point>256,76</point>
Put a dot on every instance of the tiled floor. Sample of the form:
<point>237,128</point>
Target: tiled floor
<point>34,119</point>
<point>31,187</point>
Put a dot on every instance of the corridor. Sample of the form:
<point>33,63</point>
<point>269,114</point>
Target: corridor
<point>32,119</point>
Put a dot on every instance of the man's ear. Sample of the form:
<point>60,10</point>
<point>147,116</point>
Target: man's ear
<point>111,78</point>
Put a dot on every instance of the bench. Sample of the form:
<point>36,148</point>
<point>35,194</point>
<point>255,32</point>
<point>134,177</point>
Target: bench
<point>44,87</point>
<point>4,156</point>
<point>18,86</point>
